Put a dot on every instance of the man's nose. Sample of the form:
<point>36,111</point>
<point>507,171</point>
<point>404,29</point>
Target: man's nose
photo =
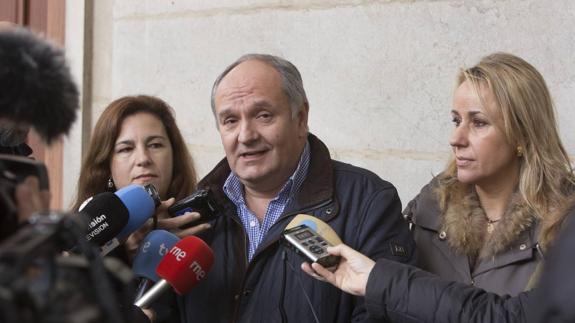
<point>247,132</point>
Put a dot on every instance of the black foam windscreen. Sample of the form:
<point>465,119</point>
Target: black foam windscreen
<point>37,86</point>
<point>106,215</point>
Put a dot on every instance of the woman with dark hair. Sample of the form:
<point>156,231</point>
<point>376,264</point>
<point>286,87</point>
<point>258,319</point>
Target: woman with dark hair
<point>136,141</point>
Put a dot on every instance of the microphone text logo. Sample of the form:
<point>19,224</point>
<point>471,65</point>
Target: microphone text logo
<point>100,222</point>
<point>178,253</point>
<point>197,269</point>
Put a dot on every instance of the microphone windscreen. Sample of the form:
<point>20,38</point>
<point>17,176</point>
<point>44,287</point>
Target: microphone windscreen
<point>151,251</point>
<point>37,86</point>
<point>140,207</point>
<point>106,215</point>
<point>317,225</point>
<point>186,264</point>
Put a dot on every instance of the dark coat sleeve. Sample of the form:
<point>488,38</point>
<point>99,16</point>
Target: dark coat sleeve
<point>556,294</point>
<point>406,294</point>
<point>382,233</point>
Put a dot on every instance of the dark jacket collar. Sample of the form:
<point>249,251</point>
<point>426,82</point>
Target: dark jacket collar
<point>316,188</point>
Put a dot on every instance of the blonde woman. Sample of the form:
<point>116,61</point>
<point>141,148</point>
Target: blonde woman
<point>488,218</point>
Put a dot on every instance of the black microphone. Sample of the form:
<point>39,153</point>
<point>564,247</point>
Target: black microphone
<point>128,208</point>
<point>106,216</point>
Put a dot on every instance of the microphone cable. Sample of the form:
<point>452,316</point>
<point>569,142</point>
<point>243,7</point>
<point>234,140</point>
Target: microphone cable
<point>540,251</point>
<point>300,282</point>
<point>283,290</point>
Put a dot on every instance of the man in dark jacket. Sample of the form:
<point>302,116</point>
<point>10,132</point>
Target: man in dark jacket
<point>274,169</point>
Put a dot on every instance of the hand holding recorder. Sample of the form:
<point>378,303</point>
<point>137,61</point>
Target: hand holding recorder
<point>189,215</point>
<point>341,266</point>
<point>351,274</point>
<point>176,217</point>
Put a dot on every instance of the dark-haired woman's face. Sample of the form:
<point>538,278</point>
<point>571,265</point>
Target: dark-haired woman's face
<point>142,154</point>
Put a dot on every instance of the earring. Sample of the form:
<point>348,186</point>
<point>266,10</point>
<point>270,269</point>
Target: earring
<point>110,184</point>
<point>519,151</point>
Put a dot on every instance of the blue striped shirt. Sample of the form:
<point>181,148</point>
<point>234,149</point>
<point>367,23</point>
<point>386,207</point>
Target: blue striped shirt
<point>254,229</point>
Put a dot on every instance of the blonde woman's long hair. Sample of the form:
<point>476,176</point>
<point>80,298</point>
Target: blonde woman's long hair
<point>546,178</point>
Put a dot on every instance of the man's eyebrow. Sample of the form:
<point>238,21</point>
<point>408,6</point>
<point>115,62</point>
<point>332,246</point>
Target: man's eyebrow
<point>224,112</point>
<point>262,104</point>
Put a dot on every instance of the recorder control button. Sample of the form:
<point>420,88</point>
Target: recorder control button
<point>316,249</point>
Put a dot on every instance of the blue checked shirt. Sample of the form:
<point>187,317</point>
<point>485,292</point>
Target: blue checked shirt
<point>254,229</point>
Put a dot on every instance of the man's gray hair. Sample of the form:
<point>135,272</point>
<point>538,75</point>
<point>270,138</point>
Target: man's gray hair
<point>292,83</point>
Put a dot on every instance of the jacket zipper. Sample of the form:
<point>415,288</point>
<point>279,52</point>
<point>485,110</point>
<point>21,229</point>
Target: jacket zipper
<point>246,265</point>
<point>317,206</point>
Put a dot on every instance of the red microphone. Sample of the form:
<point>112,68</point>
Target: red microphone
<point>187,262</point>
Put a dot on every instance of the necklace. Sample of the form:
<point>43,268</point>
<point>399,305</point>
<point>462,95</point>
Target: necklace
<point>491,225</point>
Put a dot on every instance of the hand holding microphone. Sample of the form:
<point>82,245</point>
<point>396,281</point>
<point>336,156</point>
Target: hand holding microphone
<point>351,274</point>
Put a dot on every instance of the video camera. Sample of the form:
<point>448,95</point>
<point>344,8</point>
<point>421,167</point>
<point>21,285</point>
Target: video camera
<point>13,170</point>
<point>38,283</point>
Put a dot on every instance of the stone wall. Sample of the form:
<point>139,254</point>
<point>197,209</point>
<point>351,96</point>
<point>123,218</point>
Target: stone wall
<point>379,74</point>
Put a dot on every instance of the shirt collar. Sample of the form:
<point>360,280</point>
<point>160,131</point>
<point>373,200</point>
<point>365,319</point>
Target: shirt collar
<point>233,187</point>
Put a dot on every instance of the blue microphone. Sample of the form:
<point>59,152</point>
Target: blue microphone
<point>141,206</point>
<point>140,203</point>
<point>151,251</point>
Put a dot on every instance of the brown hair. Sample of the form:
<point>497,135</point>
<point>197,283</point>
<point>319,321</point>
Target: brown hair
<point>95,170</point>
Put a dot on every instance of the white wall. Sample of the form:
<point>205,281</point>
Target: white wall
<point>74,46</point>
<point>379,74</point>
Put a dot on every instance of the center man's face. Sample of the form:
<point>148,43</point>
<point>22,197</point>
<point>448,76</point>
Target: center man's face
<point>262,141</point>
